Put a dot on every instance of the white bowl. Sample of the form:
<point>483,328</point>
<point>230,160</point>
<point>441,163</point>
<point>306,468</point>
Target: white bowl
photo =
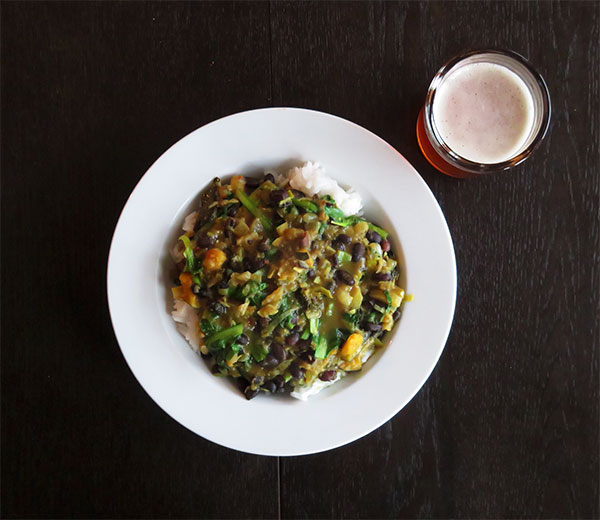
<point>179,381</point>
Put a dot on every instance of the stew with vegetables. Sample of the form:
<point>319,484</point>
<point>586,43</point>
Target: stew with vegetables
<point>288,291</point>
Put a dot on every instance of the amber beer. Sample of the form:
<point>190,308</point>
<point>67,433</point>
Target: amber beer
<point>485,111</point>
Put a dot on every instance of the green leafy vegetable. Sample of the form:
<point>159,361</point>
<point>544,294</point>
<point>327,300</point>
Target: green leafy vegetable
<point>188,254</point>
<point>338,218</point>
<point>208,327</point>
<point>258,351</point>
<point>342,257</point>
<point>321,347</point>
<point>252,207</point>
<point>306,205</point>
<point>225,335</point>
<point>352,319</point>
<point>314,325</point>
<point>382,232</point>
<point>274,323</point>
<point>255,292</point>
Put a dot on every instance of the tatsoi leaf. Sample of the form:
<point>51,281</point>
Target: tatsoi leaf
<point>336,338</point>
<point>342,257</point>
<point>334,213</point>
<point>188,253</point>
<point>255,292</point>
<point>208,327</point>
<point>253,208</point>
<point>225,335</point>
<point>274,323</point>
<point>314,326</point>
<point>339,219</point>
<point>258,352</point>
<point>306,204</point>
<point>352,319</point>
<point>321,347</point>
<point>382,232</point>
<point>388,298</point>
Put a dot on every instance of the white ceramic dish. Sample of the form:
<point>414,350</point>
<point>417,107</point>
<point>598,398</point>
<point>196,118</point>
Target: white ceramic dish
<point>179,381</point>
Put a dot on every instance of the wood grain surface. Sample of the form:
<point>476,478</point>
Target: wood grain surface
<point>92,93</point>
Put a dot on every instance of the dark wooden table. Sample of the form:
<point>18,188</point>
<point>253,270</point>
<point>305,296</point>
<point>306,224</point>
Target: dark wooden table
<point>93,93</point>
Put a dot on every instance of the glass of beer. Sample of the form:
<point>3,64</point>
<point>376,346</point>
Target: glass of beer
<point>485,111</point>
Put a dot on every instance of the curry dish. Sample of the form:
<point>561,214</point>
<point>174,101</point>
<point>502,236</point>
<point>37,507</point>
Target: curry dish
<point>288,291</point>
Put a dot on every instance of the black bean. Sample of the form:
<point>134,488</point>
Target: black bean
<point>204,240</point>
<point>358,252</point>
<point>332,286</point>
<point>372,301</point>
<point>340,246</point>
<point>250,393</point>
<point>232,210</point>
<point>278,351</point>
<point>308,356</point>
<point>382,277</point>
<point>292,339</point>
<point>223,284</point>
<point>373,236</point>
<point>253,264</point>
<point>344,277</point>
<point>276,196</point>
<point>295,328</point>
<point>296,371</point>
<point>270,386</point>
<point>258,380</point>
<point>252,182</point>
<point>216,369</point>
<point>270,361</point>
<point>397,314</point>
<point>263,246</point>
<point>303,343</point>
<point>310,274</point>
<point>269,177</point>
<point>243,340</point>
<point>328,375</point>
<point>334,260</point>
<point>219,308</point>
<point>206,293</point>
<point>385,245</point>
<point>344,239</point>
<point>294,320</point>
<point>372,327</point>
<point>279,381</point>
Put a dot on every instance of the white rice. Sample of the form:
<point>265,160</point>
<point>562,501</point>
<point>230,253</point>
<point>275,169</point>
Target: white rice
<point>311,179</point>
<point>304,392</point>
<point>186,318</point>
